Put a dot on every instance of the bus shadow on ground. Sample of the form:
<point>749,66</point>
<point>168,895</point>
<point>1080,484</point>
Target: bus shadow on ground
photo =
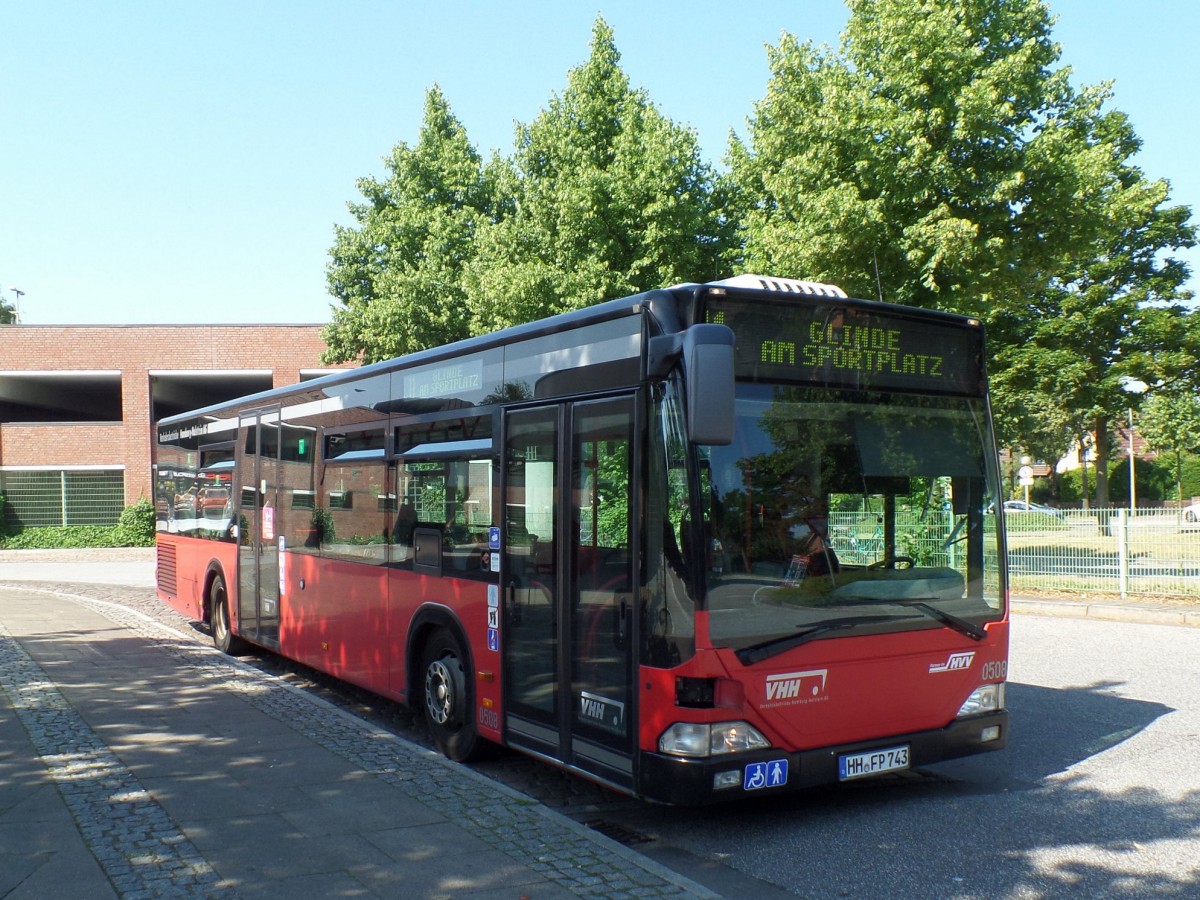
<point>1053,729</point>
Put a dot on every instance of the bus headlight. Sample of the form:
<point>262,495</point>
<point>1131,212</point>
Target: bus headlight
<point>700,740</point>
<point>988,698</point>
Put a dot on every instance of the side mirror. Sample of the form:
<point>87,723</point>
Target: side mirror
<point>708,379</point>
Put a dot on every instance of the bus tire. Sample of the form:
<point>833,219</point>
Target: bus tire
<point>448,697</point>
<point>218,605</point>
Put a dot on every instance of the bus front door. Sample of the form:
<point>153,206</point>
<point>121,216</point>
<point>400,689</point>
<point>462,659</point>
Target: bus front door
<point>258,552</point>
<point>568,580</point>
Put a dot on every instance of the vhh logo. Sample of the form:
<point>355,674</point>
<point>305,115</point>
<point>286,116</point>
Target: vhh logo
<point>796,685</point>
<point>954,662</point>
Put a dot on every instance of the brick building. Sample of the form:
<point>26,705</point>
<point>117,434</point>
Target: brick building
<point>77,404</point>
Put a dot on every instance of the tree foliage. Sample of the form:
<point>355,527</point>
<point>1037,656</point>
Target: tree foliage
<point>1170,423</point>
<point>603,197</point>
<point>8,315</point>
<point>941,158</point>
<point>917,164</point>
<point>611,198</point>
<point>1115,309</point>
<point>399,272</point>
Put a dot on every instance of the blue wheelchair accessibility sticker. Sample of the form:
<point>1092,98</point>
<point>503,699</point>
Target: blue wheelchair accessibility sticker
<point>765,775</point>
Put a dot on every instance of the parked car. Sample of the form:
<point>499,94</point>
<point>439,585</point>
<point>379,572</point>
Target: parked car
<point>214,502</point>
<point>1192,513</point>
<point>1020,506</point>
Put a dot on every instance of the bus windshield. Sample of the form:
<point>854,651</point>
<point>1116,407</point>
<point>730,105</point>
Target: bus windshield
<point>850,512</point>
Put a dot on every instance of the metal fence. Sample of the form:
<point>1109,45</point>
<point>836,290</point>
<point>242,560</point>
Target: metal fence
<point>1113,550</point>
<point>39,498</point>
<point>1117,551</point>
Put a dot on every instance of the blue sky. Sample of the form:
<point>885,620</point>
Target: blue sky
<point>177,163</point>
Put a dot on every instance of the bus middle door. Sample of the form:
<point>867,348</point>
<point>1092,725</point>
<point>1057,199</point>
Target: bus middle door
<point>258,553</point>
<point>568,580</point>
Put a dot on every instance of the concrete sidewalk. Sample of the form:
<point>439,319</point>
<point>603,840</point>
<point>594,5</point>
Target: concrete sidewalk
<point>1147,611</point>
<point>120,565</point>
<point>135,762</point>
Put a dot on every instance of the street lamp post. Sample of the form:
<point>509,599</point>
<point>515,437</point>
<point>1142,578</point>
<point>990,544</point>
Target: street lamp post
<point>1025,475</point>
<point>1132,464</point>
<point>1132,386</point>
<point>17,308</point>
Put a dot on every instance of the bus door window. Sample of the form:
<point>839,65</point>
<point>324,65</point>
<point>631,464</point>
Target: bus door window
<point>668,614</point>
<point>602,595</point>
<point>258,565</point>
<point>530,526</point>
<point>297,495</point>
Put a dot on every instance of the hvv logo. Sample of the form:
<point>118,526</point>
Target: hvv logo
<point>955,662</point>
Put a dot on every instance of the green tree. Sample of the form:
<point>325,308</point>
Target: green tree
<point>611,198</point>
<point>942,159</point>
<point>398,273</point>
<point>918,164</point>
<point>1115,309</point>
<point>8,315</point>
<point>1170,423</point>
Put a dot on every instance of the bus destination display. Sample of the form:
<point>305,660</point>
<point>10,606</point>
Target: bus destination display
<point>849,346</point>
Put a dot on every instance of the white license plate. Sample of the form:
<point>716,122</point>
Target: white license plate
<point>872,762</point>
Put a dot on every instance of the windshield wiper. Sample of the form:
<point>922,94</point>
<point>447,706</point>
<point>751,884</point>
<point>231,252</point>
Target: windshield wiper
<point>758,652</point>
<point>970,629</point>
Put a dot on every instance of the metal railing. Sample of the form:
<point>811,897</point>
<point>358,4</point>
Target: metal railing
<point>40,498</point>
<point>1112,550</point>
<point>1117,551</point>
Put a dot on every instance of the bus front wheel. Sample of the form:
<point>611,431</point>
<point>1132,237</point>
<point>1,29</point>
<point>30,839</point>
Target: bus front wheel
<point>448,697</point>
<point>218,606</point>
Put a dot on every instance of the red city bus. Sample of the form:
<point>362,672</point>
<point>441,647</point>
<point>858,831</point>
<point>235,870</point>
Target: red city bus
<point>705,542</point>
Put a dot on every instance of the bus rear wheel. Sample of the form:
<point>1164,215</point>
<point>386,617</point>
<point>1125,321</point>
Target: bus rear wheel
<point>448,697</point>
<point>218,605</point>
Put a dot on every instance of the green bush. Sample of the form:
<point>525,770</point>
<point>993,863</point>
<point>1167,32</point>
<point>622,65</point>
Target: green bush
<point>135,528</point>
<point>1032,521</point>
<point>60,538</point>
<point>1058,488</point>
<point>1155,481</point>
<point>1191,478</point>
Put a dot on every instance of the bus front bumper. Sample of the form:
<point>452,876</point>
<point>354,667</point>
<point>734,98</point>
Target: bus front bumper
<point>691,782</point>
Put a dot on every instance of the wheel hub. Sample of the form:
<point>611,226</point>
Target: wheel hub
<point>440,683</point>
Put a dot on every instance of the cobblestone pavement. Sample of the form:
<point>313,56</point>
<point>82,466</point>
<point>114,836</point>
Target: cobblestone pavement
<point>144,853</point>
<point>580,799</point>
<point>575,796</point>
<point>135,842</point>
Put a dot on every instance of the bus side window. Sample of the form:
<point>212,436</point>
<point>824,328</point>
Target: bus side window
<point>452,497</point>
<point>349,522</point>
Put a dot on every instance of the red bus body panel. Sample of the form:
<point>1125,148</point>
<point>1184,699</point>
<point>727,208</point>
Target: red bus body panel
<point>348,619</point>
<point>190,560</point>
<point>835,691</point>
